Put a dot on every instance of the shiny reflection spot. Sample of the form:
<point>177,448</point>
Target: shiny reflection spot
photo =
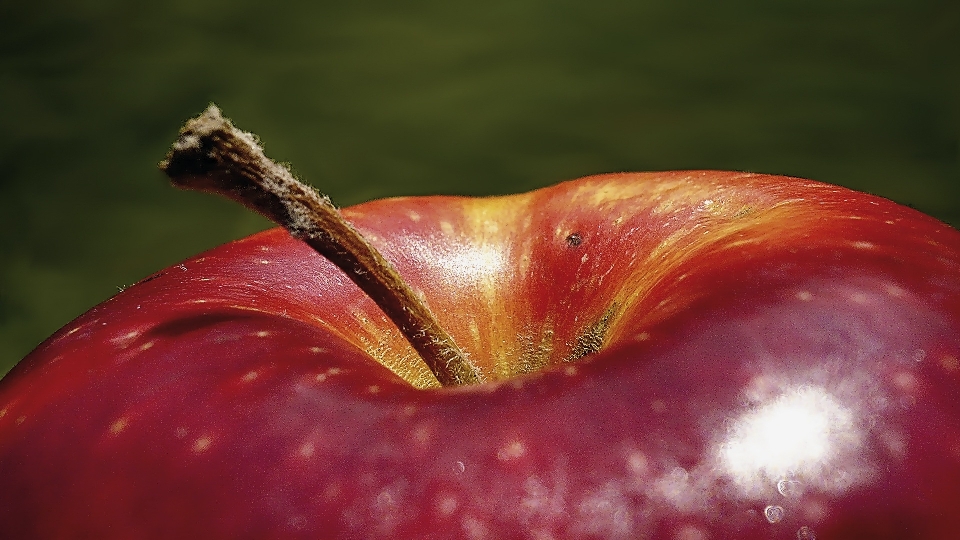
<point>774,514</point>
<point>790,488</point>
<point>690,532</point>
<point>803,432</point>
<point>474,261</point>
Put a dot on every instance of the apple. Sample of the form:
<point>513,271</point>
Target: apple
<point>680,355</point>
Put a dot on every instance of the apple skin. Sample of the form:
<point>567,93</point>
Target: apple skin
<point>780,359</point>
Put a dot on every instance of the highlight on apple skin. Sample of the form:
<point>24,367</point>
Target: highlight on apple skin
<point>684,355</point>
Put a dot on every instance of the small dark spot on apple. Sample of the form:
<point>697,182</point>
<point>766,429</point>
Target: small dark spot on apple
<point>574,240</point>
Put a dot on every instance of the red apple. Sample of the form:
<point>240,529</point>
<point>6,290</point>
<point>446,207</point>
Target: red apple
<point>683,356</point>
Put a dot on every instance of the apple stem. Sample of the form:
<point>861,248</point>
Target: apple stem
<point>212,155</point>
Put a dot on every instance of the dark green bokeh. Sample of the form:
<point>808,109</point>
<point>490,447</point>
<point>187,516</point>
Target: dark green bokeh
<point>373,99</point>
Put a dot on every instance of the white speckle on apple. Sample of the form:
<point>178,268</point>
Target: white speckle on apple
<point>388,502</point>
<point>332,491</point>
<point>182,432</point>
<point>638,463</point>
<point>21,419</point>
<point>306,450</point>
<point>859,298</point>
<point>461,467</point>
<point>3,412</point>
<point>447,228</point>
<point>202,444</point>
<point>447,505</point>
<point>474,528</point>
<point>541,501</point>
<point>862,245</point>
<point>643,336</point>
<point>690,532</point>
<point>806,533</point>
<point>950,362</point>
<point>317,350</point>
<point>413,216</point>
<point>905,381</point>
<point>264,261</point>
<point>327,374</point>
<point>146,345</point>
<point>680,490</point>
<point>658,406</point>
<point>773,513</point>
<point>804,296</point>
<point>262,334</point>
<point>373,389</point>
<point>570,371</point>
<point>606,512</point>
<point>511,451</point>
<point>198,301</point>
<point>250,376</point>
<point>422,434</point>
<point>118,425</point>
<point>264,248</point>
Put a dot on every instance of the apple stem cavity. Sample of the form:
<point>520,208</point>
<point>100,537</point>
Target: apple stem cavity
<point>214,156</point>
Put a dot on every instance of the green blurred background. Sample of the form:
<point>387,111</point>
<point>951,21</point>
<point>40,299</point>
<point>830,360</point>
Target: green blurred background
<point>379,98</point>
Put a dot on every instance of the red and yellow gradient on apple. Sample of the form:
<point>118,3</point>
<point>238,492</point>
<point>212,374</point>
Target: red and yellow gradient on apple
<point>682,356</point>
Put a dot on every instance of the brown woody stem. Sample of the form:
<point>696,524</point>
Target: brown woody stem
<point>212,155</point>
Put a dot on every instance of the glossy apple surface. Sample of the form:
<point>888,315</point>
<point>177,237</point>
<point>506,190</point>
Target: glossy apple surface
<point>682,356</point>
